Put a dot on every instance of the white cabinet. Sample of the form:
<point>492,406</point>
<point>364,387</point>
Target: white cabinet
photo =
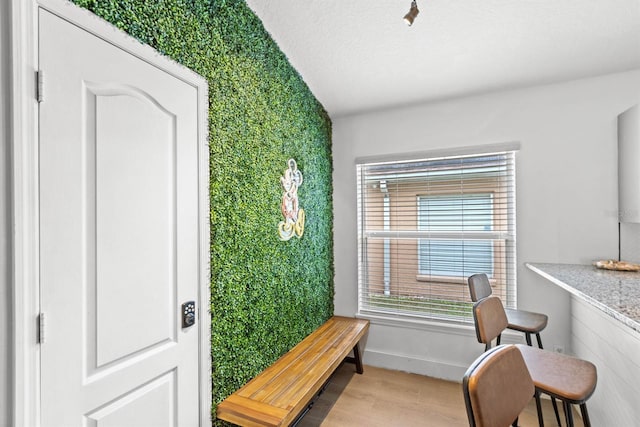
<point>613,348</point>
<point>629,165</point>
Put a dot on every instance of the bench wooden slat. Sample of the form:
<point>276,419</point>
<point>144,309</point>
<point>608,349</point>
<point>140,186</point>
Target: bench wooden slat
<point>280,370</point>
<point>277,395</point>
<point>309,373</point>
<point>250,413</point>
<point>318,357</point>
<point>298,358</point>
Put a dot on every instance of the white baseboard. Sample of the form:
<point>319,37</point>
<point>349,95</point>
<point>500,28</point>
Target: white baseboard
<point>414,365</point>
<point>446,370</point>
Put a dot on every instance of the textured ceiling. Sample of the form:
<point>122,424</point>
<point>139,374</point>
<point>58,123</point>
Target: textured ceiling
<point>359,55</point>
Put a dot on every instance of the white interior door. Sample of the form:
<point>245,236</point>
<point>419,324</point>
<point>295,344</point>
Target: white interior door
<point>118,235</point>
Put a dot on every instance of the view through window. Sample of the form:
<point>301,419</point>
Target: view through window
<point>426,225</point>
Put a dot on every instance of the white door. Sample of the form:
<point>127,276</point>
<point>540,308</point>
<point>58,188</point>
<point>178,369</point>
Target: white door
<point>118,199</point>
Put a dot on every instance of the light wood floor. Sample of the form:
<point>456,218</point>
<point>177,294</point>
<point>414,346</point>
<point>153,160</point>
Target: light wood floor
<point>385,398</point>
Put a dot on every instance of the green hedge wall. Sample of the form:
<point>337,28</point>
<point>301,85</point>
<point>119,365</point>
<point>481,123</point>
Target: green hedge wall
<point>266,294</point>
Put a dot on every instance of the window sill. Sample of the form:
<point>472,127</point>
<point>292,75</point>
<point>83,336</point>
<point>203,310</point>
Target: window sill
<point>442,327</point>
<point>416,323</point>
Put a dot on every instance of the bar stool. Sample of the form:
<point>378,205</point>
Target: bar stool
<point>497,387</point>
<point>569,379</point>
<point>517,320</point>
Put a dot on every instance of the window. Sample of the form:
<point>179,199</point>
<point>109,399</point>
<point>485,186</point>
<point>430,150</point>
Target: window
<point>455,213</point>
<point>426,225</point>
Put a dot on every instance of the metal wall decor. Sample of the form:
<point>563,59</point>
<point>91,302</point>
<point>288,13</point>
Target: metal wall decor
<point>293,224</point>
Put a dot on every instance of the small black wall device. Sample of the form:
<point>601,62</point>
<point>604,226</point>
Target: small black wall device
<point>188,314</point>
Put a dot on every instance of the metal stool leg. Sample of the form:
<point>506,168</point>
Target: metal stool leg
<point>539,409</point>
<point>568,414</point>
<point>555,410</point>
<point>539,340</point>
<point>527,336</point>
<point>585,415</point>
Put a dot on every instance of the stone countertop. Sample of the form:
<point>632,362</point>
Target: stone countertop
<point>617,293</point>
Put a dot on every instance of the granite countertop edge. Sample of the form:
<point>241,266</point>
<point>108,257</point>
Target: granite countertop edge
<point>616,293</point>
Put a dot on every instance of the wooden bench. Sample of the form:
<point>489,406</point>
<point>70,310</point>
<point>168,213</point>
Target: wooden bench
<point>281,394</point>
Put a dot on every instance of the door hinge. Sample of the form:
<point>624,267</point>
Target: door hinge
<point>40,86</point>
<point>41,328</point>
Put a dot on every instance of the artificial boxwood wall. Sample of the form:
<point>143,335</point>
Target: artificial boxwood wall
<point>266,294</point>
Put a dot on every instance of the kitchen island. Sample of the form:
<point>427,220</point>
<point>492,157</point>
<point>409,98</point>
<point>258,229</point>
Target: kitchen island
<point>605,329</point>
<point>616,293</point>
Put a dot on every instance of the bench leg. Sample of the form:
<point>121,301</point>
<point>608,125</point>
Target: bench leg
<point>357,359</point>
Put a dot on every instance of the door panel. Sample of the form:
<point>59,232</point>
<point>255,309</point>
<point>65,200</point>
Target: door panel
<point>135,223</point>
<point>131,410</point>
<point>118,235</point>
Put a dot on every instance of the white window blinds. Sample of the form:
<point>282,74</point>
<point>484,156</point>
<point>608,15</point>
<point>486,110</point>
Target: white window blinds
<point>424,226</point>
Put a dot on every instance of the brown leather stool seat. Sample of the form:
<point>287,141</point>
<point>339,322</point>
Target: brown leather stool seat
<point>527,322</point>
<point>566,378</point>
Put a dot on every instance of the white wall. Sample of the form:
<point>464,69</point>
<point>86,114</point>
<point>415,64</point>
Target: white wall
<point>566,197</point>
<point>5,233</point>
<point>629,241</point>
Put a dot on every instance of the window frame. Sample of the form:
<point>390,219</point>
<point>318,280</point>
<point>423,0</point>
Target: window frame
<point>366,308</point>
